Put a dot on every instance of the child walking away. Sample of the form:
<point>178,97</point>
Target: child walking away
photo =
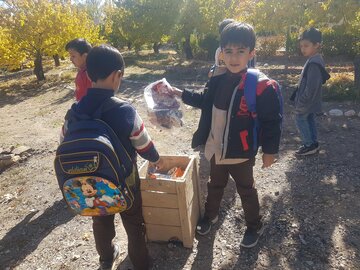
<point>308,95</point>
<point>78,50</point>
<point>105,67</point>
<point>232,124</point>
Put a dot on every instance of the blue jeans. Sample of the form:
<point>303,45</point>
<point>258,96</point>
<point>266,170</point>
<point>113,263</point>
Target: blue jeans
<point>307,127</point>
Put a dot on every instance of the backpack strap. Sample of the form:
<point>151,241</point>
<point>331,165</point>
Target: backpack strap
<point>107,105</point>
<point>251,81</point>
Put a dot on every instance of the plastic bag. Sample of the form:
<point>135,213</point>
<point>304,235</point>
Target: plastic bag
<point>163,108</point>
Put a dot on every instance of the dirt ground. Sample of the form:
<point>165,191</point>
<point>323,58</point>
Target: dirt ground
<point>310,205</point>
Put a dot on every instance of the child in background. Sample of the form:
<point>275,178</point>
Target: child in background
<point>309,94</point>
<point>78,50</point>
<point>219,63</point>
<point>226,128</point>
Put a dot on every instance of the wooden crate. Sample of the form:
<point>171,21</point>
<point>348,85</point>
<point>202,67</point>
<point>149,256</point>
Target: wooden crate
<point>171,207</point>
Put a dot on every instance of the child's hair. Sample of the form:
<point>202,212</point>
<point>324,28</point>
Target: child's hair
<point>79,44</point>
<point>237,33</point>
<point>224,23</point>
<point>313,35</point>
<point>102,61</point>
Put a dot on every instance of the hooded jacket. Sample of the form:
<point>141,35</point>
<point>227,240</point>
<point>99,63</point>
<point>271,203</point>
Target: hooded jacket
<point>309,94</point>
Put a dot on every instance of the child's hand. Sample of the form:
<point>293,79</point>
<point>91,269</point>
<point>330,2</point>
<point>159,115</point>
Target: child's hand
<point>268,160</point>
<point>159,165</point>
<point>176,91</point>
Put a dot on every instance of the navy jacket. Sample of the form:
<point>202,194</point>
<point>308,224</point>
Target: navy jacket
<point>267,109</point>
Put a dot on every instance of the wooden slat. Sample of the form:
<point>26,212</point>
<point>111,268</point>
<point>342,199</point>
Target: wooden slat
<point>166,186</point>
<point>175,161</point>
<point>143,170</point>
<point>161,216</point>
<point>197,190</point>
<point>194,213</point>
<point>189,185</point>
<point>162,233</point>
<point>158,199</point>
<point>184,215</point>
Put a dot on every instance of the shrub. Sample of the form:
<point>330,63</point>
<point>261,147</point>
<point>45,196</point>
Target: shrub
<point>340,87</point>
<point>209,43</point>
<point>199,52</point>
<point>338,43</point>
<point>292,44</point>
<point>267,46</point>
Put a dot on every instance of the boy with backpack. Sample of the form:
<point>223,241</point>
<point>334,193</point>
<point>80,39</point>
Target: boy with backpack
<point>78,49</point>
<point>308,95</point>
<point>227,128</point>
<point>105,67</point>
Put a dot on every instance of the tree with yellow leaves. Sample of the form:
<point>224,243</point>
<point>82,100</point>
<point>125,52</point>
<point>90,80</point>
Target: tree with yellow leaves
<point>35,28</point>
<point>11,57</point>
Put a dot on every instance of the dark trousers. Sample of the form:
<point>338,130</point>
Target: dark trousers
<point>242,173</point>
<point>133,221</point>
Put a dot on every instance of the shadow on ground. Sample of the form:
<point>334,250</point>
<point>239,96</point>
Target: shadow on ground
<point>25,237</point>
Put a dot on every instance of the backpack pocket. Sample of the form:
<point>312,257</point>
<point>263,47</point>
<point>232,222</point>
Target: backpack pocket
<point>91,185</point>
<point>95,196</point>
<point>79,163</point>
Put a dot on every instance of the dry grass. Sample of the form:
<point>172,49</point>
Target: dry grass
<point>340,87</point>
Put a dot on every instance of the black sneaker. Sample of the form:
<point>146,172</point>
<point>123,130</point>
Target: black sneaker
<point>308,150</point>
<point>204,225</point>
<point>251,237</point>
<point>110,264</point>
<point>316,145</point>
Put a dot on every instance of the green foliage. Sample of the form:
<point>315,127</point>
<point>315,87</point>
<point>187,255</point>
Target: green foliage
<point>48,25</point>
<point>209,44</point>
<point>338,43</point>
<point>142,21</point>
<point>356,32</point>
<point>291,17</point>
<point>292,44</point>
<point>340,87</point>
<point>194,43</point>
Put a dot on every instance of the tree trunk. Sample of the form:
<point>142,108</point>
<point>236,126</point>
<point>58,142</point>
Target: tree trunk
<point>357,75</point>
<point>129,45</point>
<point>287,42</point>
<point>38,69</point>
<point>156,47</point>
<point>56,60</point>
<point>187,48</point>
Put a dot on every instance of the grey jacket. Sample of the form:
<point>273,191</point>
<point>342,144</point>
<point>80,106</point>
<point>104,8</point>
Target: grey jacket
<point>309,94</point>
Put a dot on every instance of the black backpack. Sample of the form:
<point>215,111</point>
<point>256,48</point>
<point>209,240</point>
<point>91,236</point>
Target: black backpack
<point>95,173</point>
